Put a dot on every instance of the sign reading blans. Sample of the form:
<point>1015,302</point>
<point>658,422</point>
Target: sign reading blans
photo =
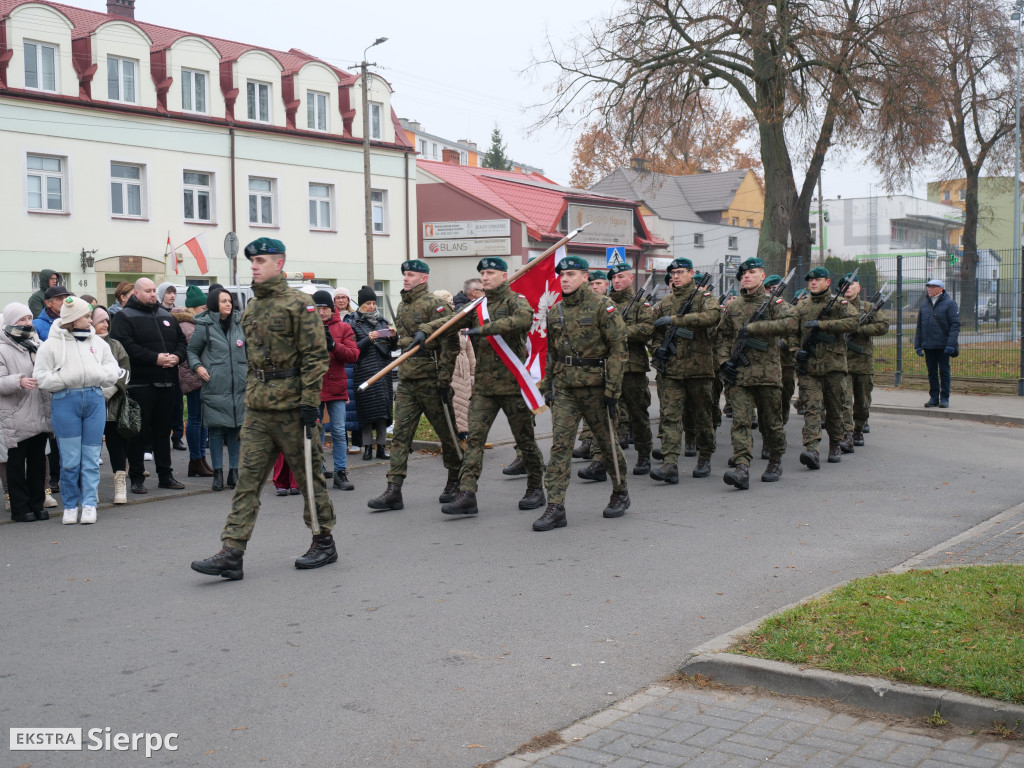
<point>442,230</point>
<point>610,226</point>
<point>492,246</point>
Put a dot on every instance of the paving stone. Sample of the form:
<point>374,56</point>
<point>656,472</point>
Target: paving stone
<point>630,725</point>
<point>863,762</point>
<point>673,748</point>
<point>683,731</point>
<point>651,720</point>
<point>813,740</point>
<point>625,744</point>
<point>878,749</point>
<point>965,761</point>
<point>913,737</point>
<point>626,762</point>
<point>909,754</point>
<point>560,761</point>
<point>993,749</point>
<point>709,737</point>
<point>763,726</point>
<point>964,744</point>
<point>600,738</point>
<point>589,756</point>
<point>652,757</point>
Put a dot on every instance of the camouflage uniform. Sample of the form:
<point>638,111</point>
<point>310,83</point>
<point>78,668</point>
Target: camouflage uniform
<point>595,332</point>
<point>283,336</point>
<point>421,379</point>
<point>757,385</point>
<point>860,362</point>
<point>821,386</point>
<point>689,371</point>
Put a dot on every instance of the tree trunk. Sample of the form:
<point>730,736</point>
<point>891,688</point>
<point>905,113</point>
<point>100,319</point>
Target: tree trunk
<point>967,295</point>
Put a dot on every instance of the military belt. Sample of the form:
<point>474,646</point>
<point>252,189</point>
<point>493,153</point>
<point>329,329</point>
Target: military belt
<point>582,362</point>
<point>276,373</point>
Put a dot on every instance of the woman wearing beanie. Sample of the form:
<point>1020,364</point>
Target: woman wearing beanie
<point>343,303</point>
<point>24,416</point>
<point>375,340</point>
<point>196,434</point>
<point>73,365</point>
<point>341,350</point>
<point>117,446</point>
<point>216,352</point>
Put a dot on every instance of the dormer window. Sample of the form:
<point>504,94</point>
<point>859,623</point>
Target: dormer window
<point>121,80</point>
<point>193,91</point>
<point>376,121</point>
<point>258,98</point>
<point>41,67</point>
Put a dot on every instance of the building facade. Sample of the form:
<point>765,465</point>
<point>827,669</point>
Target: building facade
<point>464,152</point>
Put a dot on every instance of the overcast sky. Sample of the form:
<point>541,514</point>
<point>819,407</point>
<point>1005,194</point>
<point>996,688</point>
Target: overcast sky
<point>455,66</point>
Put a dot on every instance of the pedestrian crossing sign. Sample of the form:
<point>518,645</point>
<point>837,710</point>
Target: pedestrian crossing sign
<point>615,255</point>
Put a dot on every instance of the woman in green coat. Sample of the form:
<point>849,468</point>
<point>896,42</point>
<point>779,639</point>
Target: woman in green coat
<point>216,352</point>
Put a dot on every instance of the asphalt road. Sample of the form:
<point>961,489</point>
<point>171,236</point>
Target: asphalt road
<point>447,642</point>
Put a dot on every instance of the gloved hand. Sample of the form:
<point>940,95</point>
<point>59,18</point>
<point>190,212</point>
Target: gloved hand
<point>470,332</point>
<point>309,414</point>
<point>330,339</point>
<point>802,356</point>
<point>417,340</point>
<point>949,350</point>
<point>549,397</point>
<point>445,393</point>
<point>728,372</point>
<point>611,403</point>
<point>662,321</point>
<point>920,352</point>
<point>811,324</point>
<point>783,346</point>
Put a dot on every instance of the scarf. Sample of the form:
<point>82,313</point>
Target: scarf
<point>23,335</point>
<point>370,317</point>
<point>81,335</point>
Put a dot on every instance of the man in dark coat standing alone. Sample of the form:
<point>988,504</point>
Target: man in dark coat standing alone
<point>937,339</point>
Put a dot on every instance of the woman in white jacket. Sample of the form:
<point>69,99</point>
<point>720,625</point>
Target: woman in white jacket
<point>74,364</point>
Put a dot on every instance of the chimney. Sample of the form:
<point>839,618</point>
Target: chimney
<point>412,125</point>
<point>451,156</point>
<point>638,164</point>
<point>123,8</point>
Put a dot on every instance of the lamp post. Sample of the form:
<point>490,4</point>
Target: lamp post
<point>366,162</point>
<point>86,260</point>
<point>1018,298</point>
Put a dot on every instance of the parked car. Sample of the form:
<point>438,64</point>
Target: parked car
<point>987,308</point>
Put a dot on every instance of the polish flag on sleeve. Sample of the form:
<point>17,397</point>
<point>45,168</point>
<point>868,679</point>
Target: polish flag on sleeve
<point>198,248</point>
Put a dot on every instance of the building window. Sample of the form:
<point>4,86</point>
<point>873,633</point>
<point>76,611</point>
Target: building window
<point>320,196</point>
<point>463,158</point>
<point>40,67</point>
<point>961,194</point>
<point>198,194</point>
<point>376,121</point>
<point>735,221</point>
<point>261,202</point>
<point>121,80</point>
<point>379,204</point>
<point>423,147</point>
<point>258,97</point>
<point>193,91</point>
<point>46,183</point>
<point>734,243</point>
<point>698,240</point>
<point>433,150</point>
<point>750,222</point>
<point>945,195</point>
<point>316,110</point>
<point>126,190</point>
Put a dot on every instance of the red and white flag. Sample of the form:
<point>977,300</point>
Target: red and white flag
<point>198,248</point>
<point>169,251</point>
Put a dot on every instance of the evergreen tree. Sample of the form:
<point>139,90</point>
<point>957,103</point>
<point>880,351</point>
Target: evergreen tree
<point>496,157</point>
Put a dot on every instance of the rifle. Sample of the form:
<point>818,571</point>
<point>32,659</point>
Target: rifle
<point>877,302</point>
<point>728,369</point>
<point>639,295</point>
<point>816,336</point>
<point>667,347</point>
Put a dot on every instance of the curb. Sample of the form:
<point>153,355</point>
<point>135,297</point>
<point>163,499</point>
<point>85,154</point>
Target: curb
<point>935,413</point>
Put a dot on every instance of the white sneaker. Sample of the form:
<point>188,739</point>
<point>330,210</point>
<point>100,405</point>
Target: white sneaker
<point>147,456</point>
<point>354,449</point>
<point>49,502</point>
<point>120,488</point>
<point>88,515</point>
<point>71,516</point>
<point>101,461</point>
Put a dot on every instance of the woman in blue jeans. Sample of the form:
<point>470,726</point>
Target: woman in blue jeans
<point>342,349</point>
<point>74,364</point>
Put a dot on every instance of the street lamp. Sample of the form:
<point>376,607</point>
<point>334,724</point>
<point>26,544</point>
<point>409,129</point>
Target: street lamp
<point>86,260</point>
<point>366,162</point>
<point>1017,298</point>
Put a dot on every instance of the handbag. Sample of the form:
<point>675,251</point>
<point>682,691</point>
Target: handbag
<point>129,417</point>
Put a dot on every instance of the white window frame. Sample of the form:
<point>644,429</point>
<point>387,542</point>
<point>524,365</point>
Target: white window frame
<point>39,66</point>
<point>319,201</point>
<point>320,103</point>
<point>734,243</point>
<point>698,240</point>
<point>125,184</point>
<point>379,202</point>
<point>197,189</point>
<point>189,76</point>
<point>945,195</point>
<point>252,108</point>
<point>44,176</point>
<point>376,120</point>
<point>271,195</point>
<point>423,147</point>
<point>961,194</point>
<point>121,61</point>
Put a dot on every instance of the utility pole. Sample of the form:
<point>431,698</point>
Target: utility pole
<point>367,192</point>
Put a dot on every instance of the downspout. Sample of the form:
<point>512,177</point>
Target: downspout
<point>408,238</point>
<point>234,222</point>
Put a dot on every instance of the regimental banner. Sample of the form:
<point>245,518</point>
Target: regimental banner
<point>609,226</point>
<point>487,246</point>
<point>446,230</point>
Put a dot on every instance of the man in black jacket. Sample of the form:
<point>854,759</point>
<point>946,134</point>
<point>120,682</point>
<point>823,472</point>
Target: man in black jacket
<point>937,339</point>
<point>155,345</point>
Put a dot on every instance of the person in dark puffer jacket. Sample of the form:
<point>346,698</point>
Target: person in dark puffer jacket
<point>936,339</point>
<point>375,406</point>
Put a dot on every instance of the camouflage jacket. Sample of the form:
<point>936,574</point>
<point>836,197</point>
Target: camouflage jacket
<point>860,349</point>
<point>639,327</point>
<point>830,353</point>
<point>585,325</point>
<point>779,322</point>
<point>694,356</point>
<point>417,310</point>
<point>510,317</point>
<point>283,330</point>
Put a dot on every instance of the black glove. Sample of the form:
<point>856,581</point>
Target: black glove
<point>611,403</point>
<point>445,393</point>
<point>470,331</point>
<point>811,324</point>
<point>330,339</point>
<point>783,346</point>
<point>309,414</point>
<point>949,350</point>
<point>728,372</point>
<point>549,397</point>
<point>662,321</point>
<point>801,358</point>
<point>417,340</point>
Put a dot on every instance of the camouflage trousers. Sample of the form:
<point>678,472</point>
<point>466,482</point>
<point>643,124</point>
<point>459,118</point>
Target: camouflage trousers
<point>483,409</point>
<point>823,399</point>
<point>788,388</point>
<point>687,397</point>
<point>769,421</point>
<point>414,398</point>
<point>634,413</point>
<point>264,435</point>
<point>858,400</point>
<point>689,418</point>
<point>570,405</point>
<point>659,383</point>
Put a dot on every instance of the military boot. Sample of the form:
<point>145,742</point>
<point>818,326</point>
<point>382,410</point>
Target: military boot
<point>643,466</point>
<point>450,489</point>
<point>320,553</point>
<point>553,517</point>
<point>773,472</point>
<point>464,503</point>
<point>703,468</point>
<point>809,458</point>
<point>867,428</point>
<point>583,451</point>
<point>517,467</point>
<point>667,473</point>
<point>765,453</point>
<point>623,442</point>
<point>835,453</point>
<point>732,461</point>
<point>858,439</point>
<point>846,444</point>
<point>617,504</point>
<point>690,449</point>
<point>727,411</point>
<point>226,563</point>
<point>390,499</point>
<point>532,499</point>
<point>657,455</point>
<point>341,481</point>
<point>738,477</point>
<point>593,471</point>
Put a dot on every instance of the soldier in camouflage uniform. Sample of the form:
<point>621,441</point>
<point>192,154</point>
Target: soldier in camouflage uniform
<point>587,355</point>
<point>860,363</point>
<point>689,369</point>
<point>287,360</point>
<point>424,385</point>
<point>495,389</point>
<point>821,376</point>
<point>599,285</point>
<point>755,385</point>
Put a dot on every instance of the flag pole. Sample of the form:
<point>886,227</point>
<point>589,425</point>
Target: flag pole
<point>465,310</point>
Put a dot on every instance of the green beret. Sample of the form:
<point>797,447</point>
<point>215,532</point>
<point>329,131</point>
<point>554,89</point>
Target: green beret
<point>492,263</point>
<point>817,272</point>
<point>802,293</point>
<point>668,278</point>
<point>415,265</point>
<point>572,262</point>
<point>772,280</point>
<point>680,264</point>
<point>622,266</point>
<point>698,276</point>
<point>194,297</point>
<point>752,263</point>
<point>265,245</point>
<point>598,274</point>
<point>849,278</point>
